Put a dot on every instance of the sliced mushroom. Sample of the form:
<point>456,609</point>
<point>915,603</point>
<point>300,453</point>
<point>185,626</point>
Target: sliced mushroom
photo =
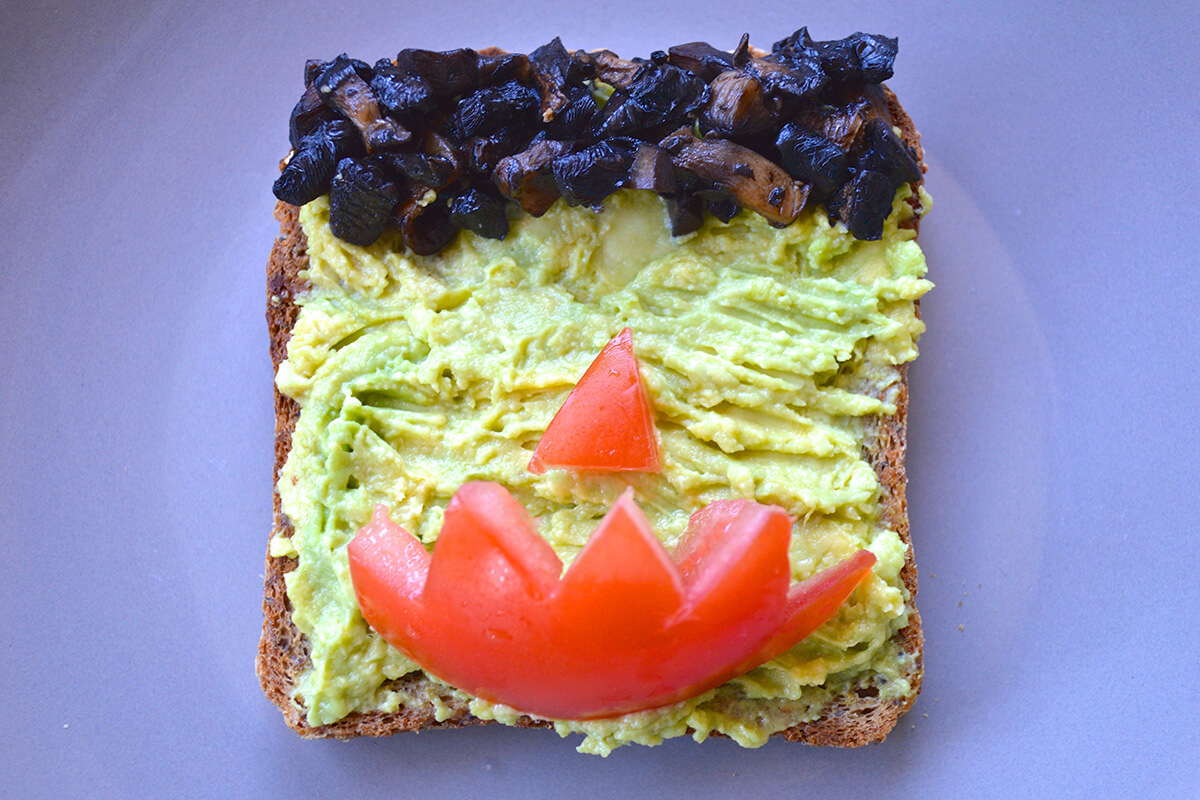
<point>554,70</point>
<point>587,176</point>
<point>756,183</point>
<point>438,164</point>
<point>344,88</point>
<point>361,199</point>
<point>449,73</point>
<point>810,157</point>
<point>425,227</point>
<point>480,212</point>
<point>701,59</point>
<point>612,69</point>
<point>526,178</point>
<point>494,68</point>
<point>307,174</point>
<point>402,94</point>
<point>487,110</point>
<point>736,105</point>
<point>652,169</point>
<point>659,94</point>
<point>789,82</point>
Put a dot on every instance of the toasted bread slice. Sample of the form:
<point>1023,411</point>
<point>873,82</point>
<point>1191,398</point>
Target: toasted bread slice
<point>858,718</point>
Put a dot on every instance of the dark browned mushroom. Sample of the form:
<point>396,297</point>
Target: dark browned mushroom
<point>425,226</point>
<point>736,105</point>
<point>757,183</point>
<point>612,69</point>
<point>701,59</point>
<point>344,88</point>
<point>526,178</point>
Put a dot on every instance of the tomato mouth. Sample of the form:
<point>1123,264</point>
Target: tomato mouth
<point>627,627</point>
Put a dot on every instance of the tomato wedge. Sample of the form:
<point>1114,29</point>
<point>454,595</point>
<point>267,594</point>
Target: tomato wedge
<point>607,422</point>
<point>626,628</point>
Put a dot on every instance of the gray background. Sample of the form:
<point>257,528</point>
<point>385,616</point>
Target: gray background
<point>1054,438</point>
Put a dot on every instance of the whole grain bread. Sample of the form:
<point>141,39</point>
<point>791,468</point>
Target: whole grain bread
<point>858,718</point>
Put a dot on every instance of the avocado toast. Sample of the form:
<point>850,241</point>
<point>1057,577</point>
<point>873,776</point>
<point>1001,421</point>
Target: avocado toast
<point>822,433</point>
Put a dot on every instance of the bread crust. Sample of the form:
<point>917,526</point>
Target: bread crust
<point>851,721</point>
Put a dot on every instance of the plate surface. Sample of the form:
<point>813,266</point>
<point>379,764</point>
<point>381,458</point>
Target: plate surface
<point>1053,454</point>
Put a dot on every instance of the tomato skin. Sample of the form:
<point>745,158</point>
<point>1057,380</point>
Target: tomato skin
<point>625,629</point>
<point>607,421</point>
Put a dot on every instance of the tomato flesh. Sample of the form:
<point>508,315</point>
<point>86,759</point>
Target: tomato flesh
<point>607,422</point>
<point>625,629</point>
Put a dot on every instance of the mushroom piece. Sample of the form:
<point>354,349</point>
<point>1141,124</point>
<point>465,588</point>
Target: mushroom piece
<point>401,94</point>
<point>659,94</point>
<point>652,169</point>
<point>575,119</point>
<point>587,176</point>
<point>789,81</point>
<point>859,58</point>
<point>810,157</point>
<point>487,110</point>
<point>526,178</point>
<point>307,114</point>
<point>437,166</point>
<point>736,104</point>
<point>502,67</point>
<point>307,173</point>
<point>361,198</point>
<point>686,213</point>
<point>481,154</point>
<point>448,74</point>
<point>612,69</point>
<point>756,183</point>
<point>701,59</point>
<point>883,151</point>
<point>480,212</point>
<point>554,69</point>
<point>425,227</point>
<point>344,88</point>
<point>863,204</point>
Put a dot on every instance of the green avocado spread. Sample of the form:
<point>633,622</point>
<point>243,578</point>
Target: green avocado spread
<point>768,354</point>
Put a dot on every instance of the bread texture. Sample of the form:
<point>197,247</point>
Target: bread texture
<point>858,718</point>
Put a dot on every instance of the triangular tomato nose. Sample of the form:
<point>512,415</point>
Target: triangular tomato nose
<point>607,422</point>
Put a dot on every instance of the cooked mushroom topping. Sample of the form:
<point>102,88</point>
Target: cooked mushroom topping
<point>361,198</point>
<point>553,71</point>
<point>344,88</point>
<point>701,59</point>
<point>585,177</point>
<point>448,74</point>
<point>736,105</point>
<point>310,169</point>
<point>401,94</point>
<point>504,67</point>
<point>658,95</point>
<point>612,69</point>
<point>757,183</point>
<point>435,142</point>
<point>307,114</point>
<point>437,167</point>
<point>526,178</point>
<point>812,158</point>
<point>480,212</point>
<point>425,227</point>
<point>652,169</point>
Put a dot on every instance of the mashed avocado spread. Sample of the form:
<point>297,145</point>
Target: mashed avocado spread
<point>767,353</point>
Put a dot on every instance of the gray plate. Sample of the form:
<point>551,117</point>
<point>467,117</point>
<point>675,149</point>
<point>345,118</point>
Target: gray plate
<point>1053,456</point>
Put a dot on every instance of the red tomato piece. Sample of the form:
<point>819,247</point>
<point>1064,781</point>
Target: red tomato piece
<point>623,630</point>
<point>607,422</point>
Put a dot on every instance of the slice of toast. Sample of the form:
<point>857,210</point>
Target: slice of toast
<point>858,718</point>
